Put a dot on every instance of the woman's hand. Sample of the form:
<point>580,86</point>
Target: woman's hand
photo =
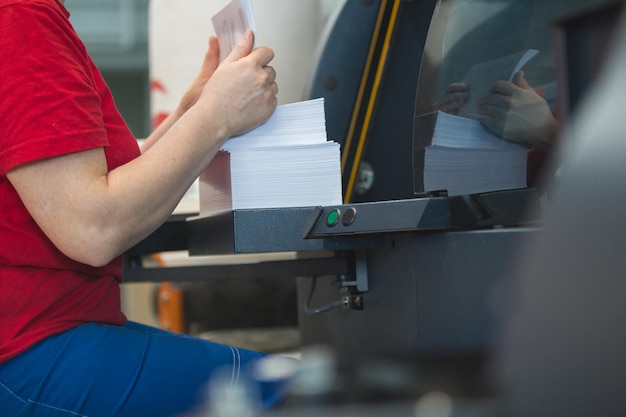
<point>242,90</point>
<point>244,76</point>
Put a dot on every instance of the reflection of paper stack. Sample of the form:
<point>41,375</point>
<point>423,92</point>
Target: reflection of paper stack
<point>285,162</point>
<point>230,24</point>
<point>458,155</point>
<point>482,76</point>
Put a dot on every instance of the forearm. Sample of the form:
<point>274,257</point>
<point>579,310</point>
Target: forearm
<point>142,194</point>
<point>160,130</point>
<point>92,215</point>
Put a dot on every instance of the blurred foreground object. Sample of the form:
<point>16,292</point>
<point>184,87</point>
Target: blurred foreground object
<point>563,349</point>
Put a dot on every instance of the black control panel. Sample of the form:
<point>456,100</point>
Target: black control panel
<point>430,213</point>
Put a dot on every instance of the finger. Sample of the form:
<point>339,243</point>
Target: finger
<point>272,85</point>
<point>271,73</point>
<point>243,47</point>
<point>503,87</point>
<point>212,57</point>
<point>456,88</point>
<point>453,100</point>
<point>520,81</point>
<point>263,55</point>
<point>459,97</point>
<point>496,100</point>
<point>496,112</point>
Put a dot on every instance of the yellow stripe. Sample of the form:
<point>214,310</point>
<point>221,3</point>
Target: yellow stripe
<point>370,105</point>
<point>359,99</point>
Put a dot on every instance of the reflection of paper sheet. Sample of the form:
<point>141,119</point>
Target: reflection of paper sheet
<point>482,76</point>
<point>528,55</point>
<point>230,24</point>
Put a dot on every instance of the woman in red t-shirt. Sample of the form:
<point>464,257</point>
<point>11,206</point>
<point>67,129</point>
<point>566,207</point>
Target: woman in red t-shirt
<point>75,193</point>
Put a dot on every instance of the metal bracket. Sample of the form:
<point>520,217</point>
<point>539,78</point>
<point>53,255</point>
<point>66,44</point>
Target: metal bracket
<point>357,287</point>
<point>360,270</point>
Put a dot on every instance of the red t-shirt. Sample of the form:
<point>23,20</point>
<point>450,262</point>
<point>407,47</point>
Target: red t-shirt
<point>53,101</point>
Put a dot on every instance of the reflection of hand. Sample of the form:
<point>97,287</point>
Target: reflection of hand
<point>454,98</point>
<point>515,112</point>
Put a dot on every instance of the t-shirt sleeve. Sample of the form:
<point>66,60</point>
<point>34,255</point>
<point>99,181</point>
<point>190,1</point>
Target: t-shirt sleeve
<point>49,104</point>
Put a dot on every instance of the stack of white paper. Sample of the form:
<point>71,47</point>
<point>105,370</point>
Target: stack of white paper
<point>301,123</point>
<point>286,162</point>
<point>464,158</point>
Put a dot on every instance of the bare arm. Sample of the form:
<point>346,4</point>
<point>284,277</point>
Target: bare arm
<point>92,215</point>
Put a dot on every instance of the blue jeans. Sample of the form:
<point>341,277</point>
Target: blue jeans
<point>134,371</point>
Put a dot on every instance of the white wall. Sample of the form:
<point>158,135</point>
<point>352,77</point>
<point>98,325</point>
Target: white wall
<point>179,30</point>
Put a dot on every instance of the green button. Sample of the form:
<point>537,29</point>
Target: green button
<point>332,218</point>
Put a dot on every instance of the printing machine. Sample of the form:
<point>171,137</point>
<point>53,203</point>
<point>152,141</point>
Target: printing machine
<point>394,271</point>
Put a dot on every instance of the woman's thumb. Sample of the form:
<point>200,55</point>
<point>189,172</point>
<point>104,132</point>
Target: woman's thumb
<point>242,48</point>
<point>520,81</point>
